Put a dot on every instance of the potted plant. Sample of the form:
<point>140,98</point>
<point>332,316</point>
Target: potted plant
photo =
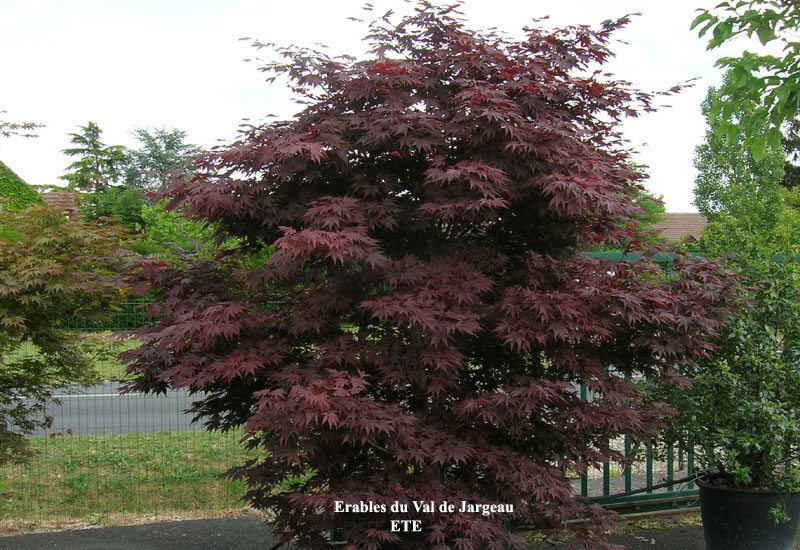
<point>741,413</point>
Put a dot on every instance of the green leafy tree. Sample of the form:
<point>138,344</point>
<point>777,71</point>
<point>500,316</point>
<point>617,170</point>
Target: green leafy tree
<point>50,269</point>
<point>97,171</point>
<point>121,204</point>
<point>161,153</point>
<point>170,235</point>
<point>791,147</point>
<point>739,414</point>
<point>732,180</point>
<point>98,166</point>
<point>774,80</point>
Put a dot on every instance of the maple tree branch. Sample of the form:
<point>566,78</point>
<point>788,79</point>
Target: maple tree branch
<point>22,129</point>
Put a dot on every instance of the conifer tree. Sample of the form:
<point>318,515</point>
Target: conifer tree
<point>98,165</point>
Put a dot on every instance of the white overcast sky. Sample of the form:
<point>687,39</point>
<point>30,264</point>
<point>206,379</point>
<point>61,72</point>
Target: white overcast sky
<point>178,63</point>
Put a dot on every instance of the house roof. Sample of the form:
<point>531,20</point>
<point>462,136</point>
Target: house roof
<point>64,201</point>
<point>677,226</point>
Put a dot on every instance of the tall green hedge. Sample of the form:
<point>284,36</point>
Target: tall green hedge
<point>15,191</point>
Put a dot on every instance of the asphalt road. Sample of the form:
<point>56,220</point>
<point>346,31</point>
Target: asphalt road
<point>101,409</point>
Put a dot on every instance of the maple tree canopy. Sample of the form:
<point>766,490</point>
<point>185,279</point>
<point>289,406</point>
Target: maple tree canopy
<point>419,326</point>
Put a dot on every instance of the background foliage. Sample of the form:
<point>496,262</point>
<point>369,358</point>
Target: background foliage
<point>773,81</point>
<point>172,236</point>
<point>160,153</point>
<point>731,181</point>
<point>115,181</point>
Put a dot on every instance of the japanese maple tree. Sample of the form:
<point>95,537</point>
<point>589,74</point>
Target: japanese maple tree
<point>419,329</point>
<point>51,269</point>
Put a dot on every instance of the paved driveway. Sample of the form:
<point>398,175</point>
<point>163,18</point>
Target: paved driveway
<point>240,533</point>
<point>249,533</point>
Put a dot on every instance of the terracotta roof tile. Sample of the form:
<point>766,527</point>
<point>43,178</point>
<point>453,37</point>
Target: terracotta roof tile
<point>63,200</point>
<point>679,225</point>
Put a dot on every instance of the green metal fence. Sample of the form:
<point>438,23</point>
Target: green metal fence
<point>130,314</point>
<point>609,489</point>
<point>612,488</point>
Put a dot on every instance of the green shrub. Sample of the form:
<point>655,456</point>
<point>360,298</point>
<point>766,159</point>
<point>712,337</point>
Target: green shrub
<point>740,413</point>
<point>168,232</point>
<point>123,204</point>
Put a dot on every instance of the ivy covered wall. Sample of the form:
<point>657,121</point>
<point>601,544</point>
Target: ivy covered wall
<point>15,194</point>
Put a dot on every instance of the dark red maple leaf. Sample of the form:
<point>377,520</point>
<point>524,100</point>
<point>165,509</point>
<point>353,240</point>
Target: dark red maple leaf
<point>410,311</point>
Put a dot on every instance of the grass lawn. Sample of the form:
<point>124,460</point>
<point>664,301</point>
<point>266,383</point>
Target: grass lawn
<point>119,479</point>
<point>101,348</point>
<point>101,480</point>
<point>108,346</point>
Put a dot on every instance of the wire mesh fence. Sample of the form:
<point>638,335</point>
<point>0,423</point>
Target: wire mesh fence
<point>109,458</point>
<point>128,315</point>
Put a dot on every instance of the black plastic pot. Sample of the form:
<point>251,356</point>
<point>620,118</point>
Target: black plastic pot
<point>739,519</point>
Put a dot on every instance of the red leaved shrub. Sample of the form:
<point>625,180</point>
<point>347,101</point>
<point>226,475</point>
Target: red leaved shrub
<point>419,328</point>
